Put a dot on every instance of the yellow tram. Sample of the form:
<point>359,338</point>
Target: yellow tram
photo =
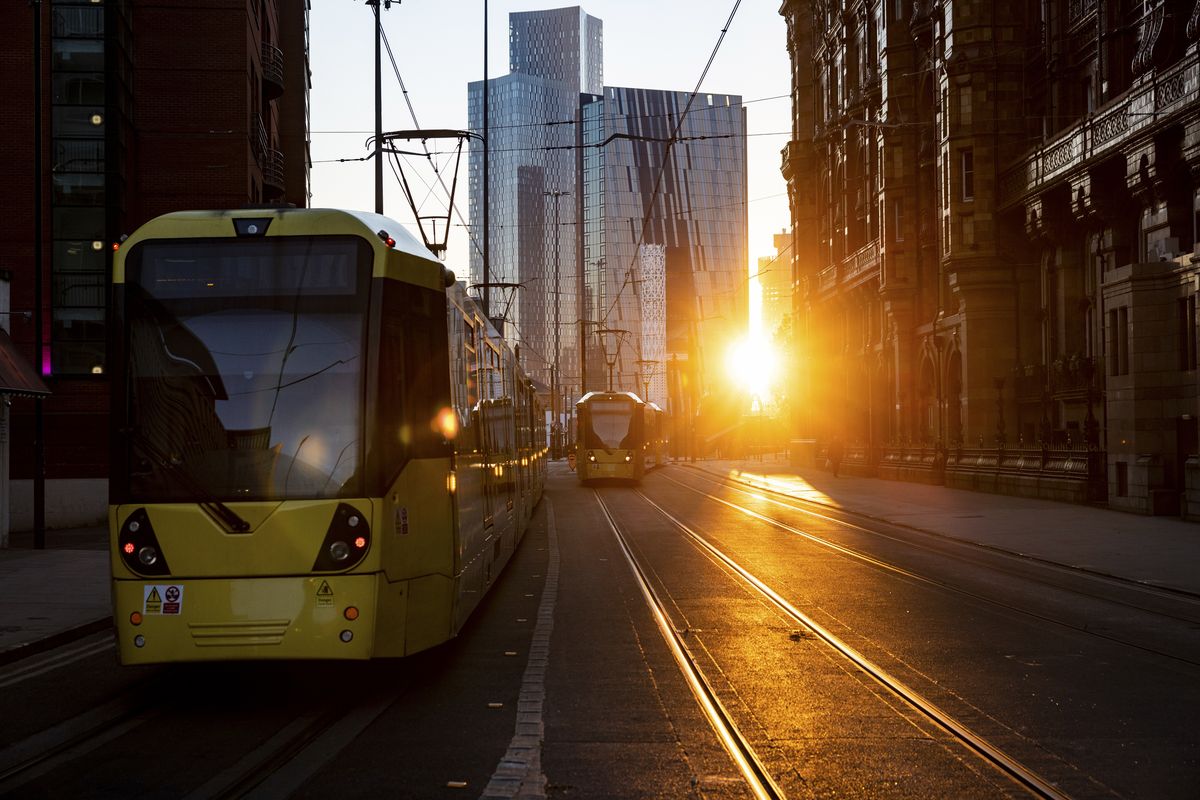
<point>655,437</point>
<point>611,431</point>
<point>321,448</point>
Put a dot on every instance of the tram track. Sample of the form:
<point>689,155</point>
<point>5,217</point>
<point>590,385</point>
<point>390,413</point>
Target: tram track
<point>871,524</point>
<point>751,767</point>
<point>1181,607</point>
<point>979,746</point>
<point>276,767</point>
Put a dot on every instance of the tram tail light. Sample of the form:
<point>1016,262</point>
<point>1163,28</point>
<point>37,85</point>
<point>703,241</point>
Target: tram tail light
<point>138,546</point>
<point>346,541</point>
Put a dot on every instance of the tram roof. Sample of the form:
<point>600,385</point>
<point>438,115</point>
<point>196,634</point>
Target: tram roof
<point>591,395</point>
<point>406,242</point>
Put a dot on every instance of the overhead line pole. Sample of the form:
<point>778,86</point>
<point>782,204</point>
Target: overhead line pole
<point>487,186</point>
<point>39,422</point>
<point>378,110</point>
<point>556,293</point>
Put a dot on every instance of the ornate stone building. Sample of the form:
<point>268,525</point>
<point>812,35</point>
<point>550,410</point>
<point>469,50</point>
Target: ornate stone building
<point>995,210</point>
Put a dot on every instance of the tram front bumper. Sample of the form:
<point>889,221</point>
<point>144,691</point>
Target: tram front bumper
<point>233,619</point>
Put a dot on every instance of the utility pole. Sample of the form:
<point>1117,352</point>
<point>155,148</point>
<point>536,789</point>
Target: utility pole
<point>378,105</point>
<point>555,400</point>
<point>39,422</point>
<point>487,186</point>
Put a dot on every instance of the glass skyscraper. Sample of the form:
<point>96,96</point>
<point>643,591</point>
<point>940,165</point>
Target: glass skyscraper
<point>554,56</point>
<point>664,234</point>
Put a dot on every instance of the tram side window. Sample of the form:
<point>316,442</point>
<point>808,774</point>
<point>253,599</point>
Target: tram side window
<point>414,376</point>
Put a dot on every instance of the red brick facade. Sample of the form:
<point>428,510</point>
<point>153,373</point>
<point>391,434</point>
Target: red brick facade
<point>193,93</point>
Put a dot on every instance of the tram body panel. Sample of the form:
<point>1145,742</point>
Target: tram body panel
<point>221,619</point>
<point>285,541</point>
<point>243,490</point>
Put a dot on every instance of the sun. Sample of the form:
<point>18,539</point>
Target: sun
<point>752,364</point>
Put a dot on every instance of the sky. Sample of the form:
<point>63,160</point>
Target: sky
<point>438,46</point>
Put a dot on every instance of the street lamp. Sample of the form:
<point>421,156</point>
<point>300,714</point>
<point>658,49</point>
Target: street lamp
<point>555,400</point>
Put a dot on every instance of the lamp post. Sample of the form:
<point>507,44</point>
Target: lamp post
<point>555,400</point>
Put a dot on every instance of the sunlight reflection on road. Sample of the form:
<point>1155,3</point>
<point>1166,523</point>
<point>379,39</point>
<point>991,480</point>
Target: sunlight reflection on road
<point>786,483</point>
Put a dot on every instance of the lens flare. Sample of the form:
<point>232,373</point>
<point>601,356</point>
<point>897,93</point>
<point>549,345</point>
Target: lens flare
<point>752,364</point>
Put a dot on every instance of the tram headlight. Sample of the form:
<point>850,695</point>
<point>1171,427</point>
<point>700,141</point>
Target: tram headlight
<point>346,541</point>
<point>138,547</point>
<point>628,459</point>
<point>591,457</point>
<point>339,551</point>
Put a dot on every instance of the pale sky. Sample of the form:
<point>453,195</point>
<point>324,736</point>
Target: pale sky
<point>651,44</point>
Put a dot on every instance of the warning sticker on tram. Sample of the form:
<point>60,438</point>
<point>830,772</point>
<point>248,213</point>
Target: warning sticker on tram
<point>324,594</point>
<point>162,599</point>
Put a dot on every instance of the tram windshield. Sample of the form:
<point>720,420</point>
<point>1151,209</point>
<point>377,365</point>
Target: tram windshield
<point>245,368</point>
<point>610,424</point>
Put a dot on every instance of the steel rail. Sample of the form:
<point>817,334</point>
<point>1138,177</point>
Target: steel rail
<point>1127,585</point>
<point>741,485</point>
<point>739,749</point>
<point>1008,765</point>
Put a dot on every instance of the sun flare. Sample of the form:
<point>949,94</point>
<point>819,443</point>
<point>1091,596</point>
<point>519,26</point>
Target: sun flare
<point>752,364</point>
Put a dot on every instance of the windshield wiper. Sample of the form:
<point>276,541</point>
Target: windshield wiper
<point>214,507</point>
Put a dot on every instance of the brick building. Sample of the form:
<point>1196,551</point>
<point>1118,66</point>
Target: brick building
<point>145,107</point>
<point>995,208</point>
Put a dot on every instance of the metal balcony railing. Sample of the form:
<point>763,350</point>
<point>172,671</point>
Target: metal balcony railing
<point>272,71</point>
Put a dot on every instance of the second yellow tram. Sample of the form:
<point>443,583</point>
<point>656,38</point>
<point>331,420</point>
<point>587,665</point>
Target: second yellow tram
<point>611,437</point>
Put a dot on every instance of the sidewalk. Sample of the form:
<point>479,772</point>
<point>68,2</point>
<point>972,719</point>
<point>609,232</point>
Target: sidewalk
<point>1156,551</point>
<point>52,595</point>
<point>60,593</point>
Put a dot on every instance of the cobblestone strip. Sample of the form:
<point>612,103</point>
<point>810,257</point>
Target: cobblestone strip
<point>519,773</point>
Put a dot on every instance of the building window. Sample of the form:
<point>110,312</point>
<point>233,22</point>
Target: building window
<point>897,220</point>
<point>964,106</point>
<point>966,226</point>
<point>1187,333</point>
<point>968,174</point>
<point>1118,339</point>
<point>80,253</point>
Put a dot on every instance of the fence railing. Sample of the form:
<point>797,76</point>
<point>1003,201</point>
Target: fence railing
<point>931,463</point>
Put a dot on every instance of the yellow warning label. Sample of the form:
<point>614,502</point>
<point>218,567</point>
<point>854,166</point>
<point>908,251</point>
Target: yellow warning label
<point>324,594</point>
<point>153,602</point>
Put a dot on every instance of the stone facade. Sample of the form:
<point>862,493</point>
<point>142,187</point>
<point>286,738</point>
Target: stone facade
<point>998,254</point>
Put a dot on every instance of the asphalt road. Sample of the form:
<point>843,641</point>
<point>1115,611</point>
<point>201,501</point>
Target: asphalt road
<point>1090,685</point>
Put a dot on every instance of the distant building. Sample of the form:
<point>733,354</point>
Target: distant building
<point>995,213</point>
<point>775,280</point>
<point>554,55</point>
<point>664,234</point>
<point>145,108</point>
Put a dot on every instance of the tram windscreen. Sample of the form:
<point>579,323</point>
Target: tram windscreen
<point>610,424</point>
<point>245,368</point>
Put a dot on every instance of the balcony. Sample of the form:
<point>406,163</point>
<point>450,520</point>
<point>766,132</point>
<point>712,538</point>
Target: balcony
<point>272,71</point>
<point>791,160</point>
<point>272,170</point>
<point>1097,136</point>
<point>268,158</point>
